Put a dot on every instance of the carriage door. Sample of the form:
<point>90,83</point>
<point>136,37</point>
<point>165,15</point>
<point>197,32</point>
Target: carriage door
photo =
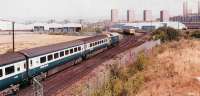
<point>109,40</point>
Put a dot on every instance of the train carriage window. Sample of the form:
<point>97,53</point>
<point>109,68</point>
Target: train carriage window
<point>24,65</point>
<point>56,56</point>
<point>31,62</point>
<point>90,44</point>
<point>50,57</point>
<point>71,51</point>
<point>43,59</point>
<point>79,48</point>
<point>95,43</point>
<point>1,73</point>
<point>18,69</point>
<point>75,49</point>
<point>61,53</point>
<point>66,52</point>
<point>9,70</point>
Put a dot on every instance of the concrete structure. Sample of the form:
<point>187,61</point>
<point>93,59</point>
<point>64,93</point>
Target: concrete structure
<point>130,15</point>
<point>39,27</point>
<point>164,15</point>
<point>42,27</point>
<point>191,21</point>
<point>114,15</point>
<point>147,25</point>
<point>147,15</point>
<point>7,26</point>
<point>199,7</point>
<point>185,8</point>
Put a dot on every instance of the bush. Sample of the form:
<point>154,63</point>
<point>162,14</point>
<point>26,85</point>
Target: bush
<point>124,80</point>
<point>57,33</point>
<point>166,34</point>
<point>196,34</point>
<point>98,30</point>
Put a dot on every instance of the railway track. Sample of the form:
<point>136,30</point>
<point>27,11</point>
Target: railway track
<point>67,77</point>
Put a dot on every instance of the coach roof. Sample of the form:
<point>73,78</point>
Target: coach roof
<point>94,38</point>
<point>10,58</point>
<point>50,48</point>
<point>60,46</point>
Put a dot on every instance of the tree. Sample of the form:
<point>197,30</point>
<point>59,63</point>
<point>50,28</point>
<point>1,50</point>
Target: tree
<point>166,34</point>
<point>196,34</point>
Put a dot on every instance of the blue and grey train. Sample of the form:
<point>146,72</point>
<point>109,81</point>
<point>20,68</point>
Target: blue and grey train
<point>19,67</point>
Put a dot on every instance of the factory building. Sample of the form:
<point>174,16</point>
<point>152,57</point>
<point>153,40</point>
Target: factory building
<point>185,8</point>
<point>41,27</point>
<point>114,15</point>
<point>148,25</point>
<point>191,20</point>
<point>38,27</point>
<point>56,27</point>
<point>199,7</point>
<point>130,15</point>
<point>147,15</point>
<point>7,26</point>
<point>164,15</point>
<point>72,27</point>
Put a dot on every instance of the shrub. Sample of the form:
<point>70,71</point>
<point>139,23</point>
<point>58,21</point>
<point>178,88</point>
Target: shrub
<point>166,34</point>
<point>196,34</point>
<point>9,51</point>
<point>124,80</point>
<point>141,61</point>
<point>56,33</point>
<point>98,30</point>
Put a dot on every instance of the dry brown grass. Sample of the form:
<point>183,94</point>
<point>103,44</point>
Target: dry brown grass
<point>32,40</point>
<point>173,70</point>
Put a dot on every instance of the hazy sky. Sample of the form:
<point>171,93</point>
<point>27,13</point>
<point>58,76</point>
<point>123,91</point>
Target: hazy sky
<point>85,9</point>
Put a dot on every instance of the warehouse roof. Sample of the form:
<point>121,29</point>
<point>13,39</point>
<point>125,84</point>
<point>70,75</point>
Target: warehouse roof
<point>176,25</point>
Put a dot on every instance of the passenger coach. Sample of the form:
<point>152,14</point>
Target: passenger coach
<point>20,67</point>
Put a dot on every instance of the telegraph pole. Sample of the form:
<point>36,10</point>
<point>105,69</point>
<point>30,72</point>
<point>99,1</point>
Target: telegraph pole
<point>13,36</point>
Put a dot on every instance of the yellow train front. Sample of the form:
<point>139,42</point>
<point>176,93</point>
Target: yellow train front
<point>129,31</point>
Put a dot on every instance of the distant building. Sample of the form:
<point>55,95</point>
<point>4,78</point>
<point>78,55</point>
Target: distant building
<point>164,15</point>
<point>185,8</point>
<point>191,21</point>
<point>42,27</point>
<point>147,15</point>
<point>39,27</point>
<point>130,15</point>
<point>199,7</point>
<point>114,15</point>
<point>147,25</point>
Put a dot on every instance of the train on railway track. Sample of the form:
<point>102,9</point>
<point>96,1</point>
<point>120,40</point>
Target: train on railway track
<point>20,67</point>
